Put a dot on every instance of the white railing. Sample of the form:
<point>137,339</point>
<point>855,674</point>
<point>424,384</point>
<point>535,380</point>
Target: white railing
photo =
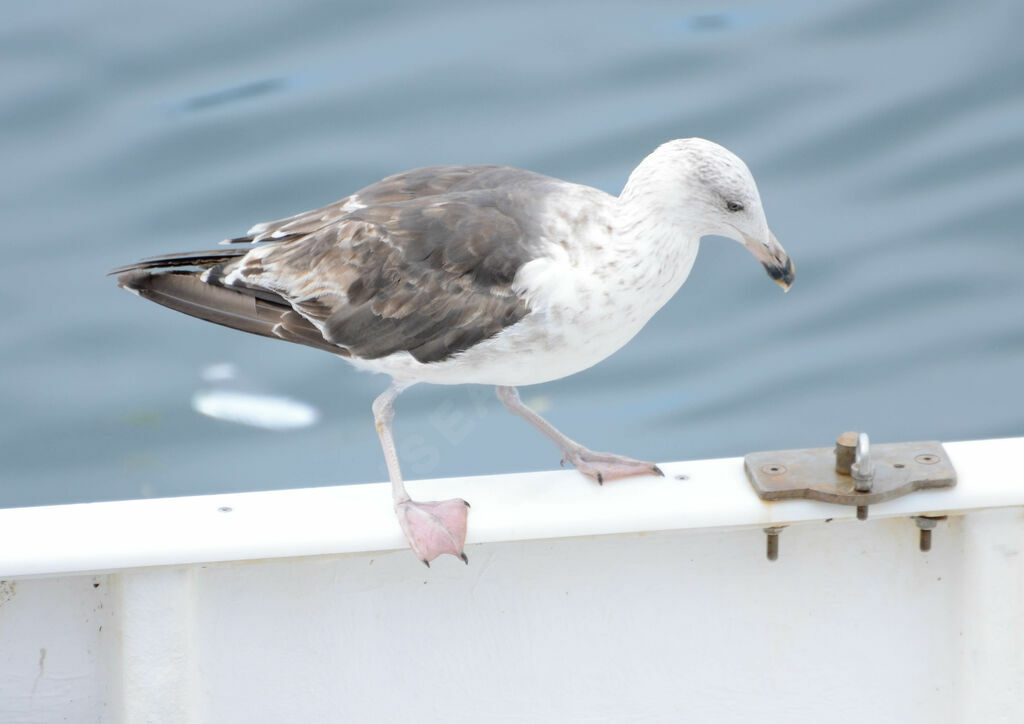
<point>645,599</point>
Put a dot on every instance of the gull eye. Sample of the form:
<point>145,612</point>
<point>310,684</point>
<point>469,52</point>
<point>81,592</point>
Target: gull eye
<point>734,206</point>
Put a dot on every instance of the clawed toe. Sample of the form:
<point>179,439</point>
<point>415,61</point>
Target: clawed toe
<point>605,466</point>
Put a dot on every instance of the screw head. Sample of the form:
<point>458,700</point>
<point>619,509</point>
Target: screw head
<point>773,469</point>
<point>927,459</point>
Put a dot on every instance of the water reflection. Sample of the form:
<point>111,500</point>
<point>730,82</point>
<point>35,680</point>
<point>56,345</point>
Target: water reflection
<point>230,397</point>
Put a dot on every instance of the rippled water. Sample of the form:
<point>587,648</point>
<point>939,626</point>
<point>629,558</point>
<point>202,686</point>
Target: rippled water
<point>887,140</point>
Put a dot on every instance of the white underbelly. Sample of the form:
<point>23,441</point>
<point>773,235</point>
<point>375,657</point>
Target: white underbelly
<point>527,353</point>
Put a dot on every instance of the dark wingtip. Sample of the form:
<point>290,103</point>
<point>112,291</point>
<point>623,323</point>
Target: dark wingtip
<point>121,271</point>
<point>200,259</point>
<point>131,279</point>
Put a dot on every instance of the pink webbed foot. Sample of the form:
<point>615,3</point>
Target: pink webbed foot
<point>605,466</point>
<point>435,527</point>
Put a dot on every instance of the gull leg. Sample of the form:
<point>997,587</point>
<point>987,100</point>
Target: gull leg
<point>598,465</point>
<point>432,527</point>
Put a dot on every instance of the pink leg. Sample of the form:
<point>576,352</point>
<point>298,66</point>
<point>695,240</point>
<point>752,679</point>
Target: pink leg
<point>434,527</point>
<point>598,465</point>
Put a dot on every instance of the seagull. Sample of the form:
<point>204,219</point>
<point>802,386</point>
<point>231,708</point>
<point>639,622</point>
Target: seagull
<point>474,275</point>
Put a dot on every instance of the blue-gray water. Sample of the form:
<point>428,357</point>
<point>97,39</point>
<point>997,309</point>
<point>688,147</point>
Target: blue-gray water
<point>887,140</point>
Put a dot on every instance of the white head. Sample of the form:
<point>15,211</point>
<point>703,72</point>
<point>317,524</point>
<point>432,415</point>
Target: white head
<point>706,189</point>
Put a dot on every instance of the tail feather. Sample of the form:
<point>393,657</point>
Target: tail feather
<point>161,280</point>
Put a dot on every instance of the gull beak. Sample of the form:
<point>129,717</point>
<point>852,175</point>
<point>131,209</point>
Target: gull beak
<point>774,258</point>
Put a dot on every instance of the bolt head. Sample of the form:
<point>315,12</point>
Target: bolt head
<point>847,439</point>
<point>925,522</point>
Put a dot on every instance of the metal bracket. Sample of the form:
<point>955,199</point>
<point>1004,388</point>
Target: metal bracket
<point>853,473</point>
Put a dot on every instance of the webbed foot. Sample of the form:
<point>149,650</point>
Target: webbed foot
<point>434,527</point>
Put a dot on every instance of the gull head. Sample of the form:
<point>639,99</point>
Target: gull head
<point>708,190</point>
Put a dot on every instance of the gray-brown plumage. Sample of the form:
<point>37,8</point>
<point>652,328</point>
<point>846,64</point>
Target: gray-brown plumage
<point>421,262</point>
<point>415,184</point>
<point>185,292</point>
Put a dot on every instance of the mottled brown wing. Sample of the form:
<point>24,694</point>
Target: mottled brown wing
<point>422,262</point>
<point>431,276</point>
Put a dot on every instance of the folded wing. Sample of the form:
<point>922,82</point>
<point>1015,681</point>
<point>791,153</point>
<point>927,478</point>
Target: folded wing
<point>422,263</point>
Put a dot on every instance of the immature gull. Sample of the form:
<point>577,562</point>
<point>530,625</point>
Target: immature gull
<point>475,274</point>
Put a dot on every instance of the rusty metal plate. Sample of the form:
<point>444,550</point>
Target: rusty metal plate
<point>900,468</point>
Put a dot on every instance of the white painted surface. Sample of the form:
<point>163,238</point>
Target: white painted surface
<point>852,623</point>
<point>358,518</point>
<point>58,650</point>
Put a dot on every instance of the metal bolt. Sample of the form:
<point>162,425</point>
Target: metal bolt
<point>927,524</point>
<point>927,459</point>
<point>853,458</point>
<point>773,541</point>
<point>773,469</point>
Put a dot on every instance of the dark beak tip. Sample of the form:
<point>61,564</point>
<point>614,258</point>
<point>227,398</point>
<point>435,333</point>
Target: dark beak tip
<point>782,274</point>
